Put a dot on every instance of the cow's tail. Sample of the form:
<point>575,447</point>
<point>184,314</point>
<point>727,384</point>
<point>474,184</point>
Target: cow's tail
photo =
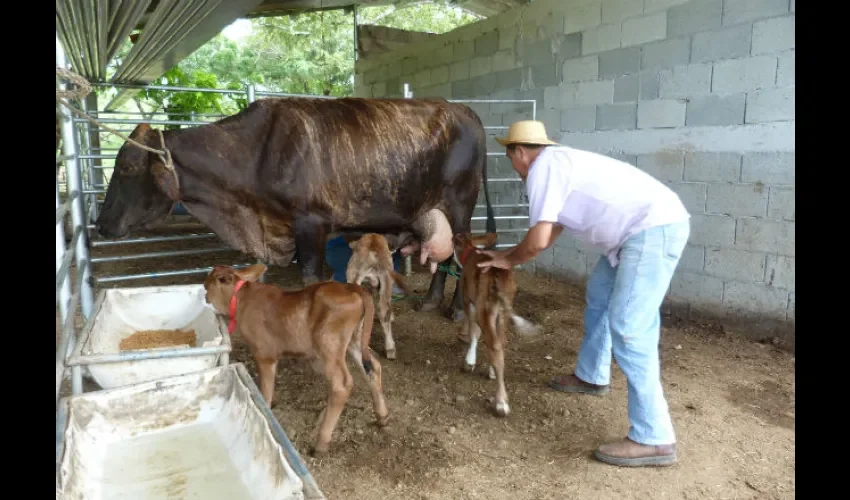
<point>491,216</point>
<point>366,323</point>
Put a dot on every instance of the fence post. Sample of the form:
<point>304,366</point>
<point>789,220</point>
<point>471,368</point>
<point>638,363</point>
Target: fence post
<point>251,93</point>
<point>73,178</point>
<point>408,267</point>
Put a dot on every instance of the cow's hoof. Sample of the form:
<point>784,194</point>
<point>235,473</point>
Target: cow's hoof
<point>382,421</point>
<point>502,409</point>
<point>319,451</point>
<point>390,353</point>
<point>454,314</point>
<point>468,368</point>
<point>427,305</point>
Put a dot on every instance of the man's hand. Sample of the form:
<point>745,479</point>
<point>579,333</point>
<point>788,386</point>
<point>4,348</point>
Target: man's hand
<point>500,260</point>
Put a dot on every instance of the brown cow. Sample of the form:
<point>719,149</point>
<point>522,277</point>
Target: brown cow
<point>372,260</point>
<point>319,322</point>
<point>487,306</point>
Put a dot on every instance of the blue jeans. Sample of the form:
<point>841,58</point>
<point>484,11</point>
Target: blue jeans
<point>623,315</point>
<point>338,253</point>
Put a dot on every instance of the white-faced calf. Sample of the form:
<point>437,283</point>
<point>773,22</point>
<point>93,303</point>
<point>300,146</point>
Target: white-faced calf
<point>487,308</point>
<point>320,322</point>
<point>372,261</point>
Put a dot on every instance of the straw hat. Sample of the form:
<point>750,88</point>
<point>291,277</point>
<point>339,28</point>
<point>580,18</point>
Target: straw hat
<point>526,132</point>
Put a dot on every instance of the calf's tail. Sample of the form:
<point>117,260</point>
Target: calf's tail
<point>521,325</point>
<point>399,280</point>
<point>366,323</point>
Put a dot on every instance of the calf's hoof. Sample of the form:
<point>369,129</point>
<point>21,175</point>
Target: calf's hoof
<point>502,409</point>
<point>427,305</point>
<point>382,421</point>
<point>468,368</point>
<point>390,353</point>
<point>319,451</point>
<point>491,374</point>
<point>454,314</point>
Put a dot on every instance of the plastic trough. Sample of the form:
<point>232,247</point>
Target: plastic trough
<point>206,435</point>
<point>119,312</point>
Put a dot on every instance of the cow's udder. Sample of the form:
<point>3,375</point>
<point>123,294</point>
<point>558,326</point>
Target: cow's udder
<point>436,236</point>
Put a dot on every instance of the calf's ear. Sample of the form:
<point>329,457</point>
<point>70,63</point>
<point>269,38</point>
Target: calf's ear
<point>165,179</point>
<point>252,273</point>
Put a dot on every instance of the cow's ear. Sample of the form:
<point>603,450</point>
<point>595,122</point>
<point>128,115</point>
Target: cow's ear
<point>138,133</point>
<point>166,180</point>
<point>252,273</point>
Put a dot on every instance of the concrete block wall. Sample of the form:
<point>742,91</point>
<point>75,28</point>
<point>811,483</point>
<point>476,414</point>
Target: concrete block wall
<point>698,93</point>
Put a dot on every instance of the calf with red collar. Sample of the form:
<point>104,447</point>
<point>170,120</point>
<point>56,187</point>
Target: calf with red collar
<point>320,322</point>
<point>487,307</point>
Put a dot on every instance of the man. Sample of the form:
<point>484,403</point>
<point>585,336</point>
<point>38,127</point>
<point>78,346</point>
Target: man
<point>642,228</point>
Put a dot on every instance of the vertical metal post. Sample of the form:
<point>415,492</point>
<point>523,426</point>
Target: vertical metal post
<point>74,185</point>
<point>251,92</point>
<point>356,49</point>
<point>65,291</point>
<point>408,266</point>
<point>86,149</point>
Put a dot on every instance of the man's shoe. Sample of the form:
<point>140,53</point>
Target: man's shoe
<point>571,383</point>
<point>627,453</point>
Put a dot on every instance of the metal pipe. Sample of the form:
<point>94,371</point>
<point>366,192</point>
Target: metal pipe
<point>165,87</point>
<point>498,101</point>
<point>74,183</point>
<point>128,121</point>
<point>107,279</point>
<point>66,341</point>
<point>62,273</point>
<point>251,92</point>
<point>503,217</point>
<point>284,94</point>
<point>63,291</point>
<point>504,206</point>
<point>152,239</point>
<point>153,255</point>
<point>100,359</point>
<point>505,179</point>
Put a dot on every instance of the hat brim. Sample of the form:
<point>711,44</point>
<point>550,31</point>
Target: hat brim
<point>506,141</point>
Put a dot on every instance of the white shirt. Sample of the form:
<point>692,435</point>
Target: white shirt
<point>598,199</point>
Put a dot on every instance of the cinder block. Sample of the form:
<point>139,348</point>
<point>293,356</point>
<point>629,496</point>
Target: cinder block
<point>769,105</point>
<point>769,168</point>
<point>459,71</point>
<point>464,49</point>
<point>504,60</point>
<point>544,76</point>
<point>619,116</point>
<point>630,159</point>
<point>573,261</point>
<point>773,35</point>
<point>569,93</point>
<point>583,16</point>
<point>725,43</point>
<point>714,110</point>
<point>782,203</point>
<point>480,66</point>
<point>581,69</point>
<point>793,6</point>
<point>637,86</point>
<point>744,75</point>
<point>591,93</point>
<point>755,298</point>
<point>713,230</point>
<point>744,200</point>
<point>713,167</point>
<point>694,287</point>
<point>486,44</point>
<point>551,97</point>
<point>551,119</point>
<point>693,258</point>
<point>482,85</point>
<point>766,236</point>
<point>692,194</point>
<point>394,70</point>
<point>421,79</point>
<point>379,89</point>
<point>566,47</point>
<point>462,89</point>
<point>644,29</point>
<point>601,38</point>
<point>537,53</point>
<point>444,54</point>
<point>507,37</point>
<point>550,25</point>
<point>393,87</point>
<point>785,71</point>
<point>580,119</point>
<point>409,66</point>
<point>616,11</point>
<point>741,11</point>
<point>614,63</point>
<point>740,265</point>
<point>685,81</point>
<point>781,271</point>
<point>507,80</point>
<point>545,259</point>
<point>439,74</point>
<point>661,114</point>
<point>666,53</point>
<point>694,16</point>
<point>665,166</point>
<point>650,6</point>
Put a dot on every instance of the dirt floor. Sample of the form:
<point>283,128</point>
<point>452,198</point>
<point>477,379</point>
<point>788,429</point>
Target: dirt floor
<point>732,403</point>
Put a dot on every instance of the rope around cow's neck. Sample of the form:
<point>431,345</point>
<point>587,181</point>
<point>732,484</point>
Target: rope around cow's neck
<point>84,88</point>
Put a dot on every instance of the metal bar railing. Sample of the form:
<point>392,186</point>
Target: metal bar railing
<point>62,273</point>
<point>179,272</point>
<point>153,239</point>
<point>169,253</point>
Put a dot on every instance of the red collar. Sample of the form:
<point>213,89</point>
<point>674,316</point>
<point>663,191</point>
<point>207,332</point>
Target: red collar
<point>232,324</point>
<point>465,254</point>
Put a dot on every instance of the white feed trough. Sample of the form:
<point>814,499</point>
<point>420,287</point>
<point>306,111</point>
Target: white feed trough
<point>120,312</point>
<point>206,435</point>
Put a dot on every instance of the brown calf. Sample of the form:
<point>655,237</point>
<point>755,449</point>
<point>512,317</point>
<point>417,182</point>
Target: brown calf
<point>320,322</point>
<point>487,306</point>
<point>372,260</point>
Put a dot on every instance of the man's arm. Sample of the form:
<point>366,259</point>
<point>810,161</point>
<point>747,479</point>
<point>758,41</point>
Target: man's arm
<point>540,237</point>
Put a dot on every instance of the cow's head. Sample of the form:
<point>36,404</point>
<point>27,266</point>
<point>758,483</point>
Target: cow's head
<point>142,190</point>
<point>221,281</point>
